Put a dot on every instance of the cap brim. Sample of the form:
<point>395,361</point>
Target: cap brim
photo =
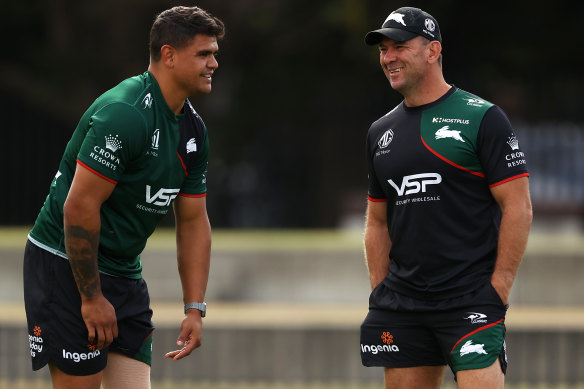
<point>376,36</point>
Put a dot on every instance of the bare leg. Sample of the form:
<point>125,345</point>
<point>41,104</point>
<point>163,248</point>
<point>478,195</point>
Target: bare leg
<point>491,377</point>
<point>63,380</point>
<point>123,372</point>
<point>420,377</point>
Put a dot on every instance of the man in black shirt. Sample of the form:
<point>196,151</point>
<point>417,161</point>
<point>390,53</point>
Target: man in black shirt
<point>447,220</point>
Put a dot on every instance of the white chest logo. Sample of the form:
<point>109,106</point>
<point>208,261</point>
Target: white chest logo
<point>446,132</point>
<point>468,348</point>
<point>147,100</point>
<point>396,17</point>
<point>416,183</point>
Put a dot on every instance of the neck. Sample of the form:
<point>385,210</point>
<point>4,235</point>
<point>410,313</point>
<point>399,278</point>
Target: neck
<point>173,95</point>
<point>426,91</point>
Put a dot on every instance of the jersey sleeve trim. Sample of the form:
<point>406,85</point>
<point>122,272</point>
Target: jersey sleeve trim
<point>376,200</point>
<point>509,179</point>
<point>192,195</point>
<point>97,173</point>
<point>450,162</point>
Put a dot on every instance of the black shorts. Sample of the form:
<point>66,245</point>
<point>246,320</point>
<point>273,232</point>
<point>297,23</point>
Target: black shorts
<point>467,332</point>
<point>56,330</point>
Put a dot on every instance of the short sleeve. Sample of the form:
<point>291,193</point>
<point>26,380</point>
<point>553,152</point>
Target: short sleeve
<point>499,149</point>
<point>116,135</point>
<point>374,191</point>
<point>195,184</point>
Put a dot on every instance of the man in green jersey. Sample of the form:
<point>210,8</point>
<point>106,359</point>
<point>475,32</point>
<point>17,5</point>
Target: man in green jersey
<point>139,148</point>
<point>448,217</point>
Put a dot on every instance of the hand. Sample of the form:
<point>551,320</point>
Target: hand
<point>190,335</point>
<point>100,319</point>
<point>503,289</point>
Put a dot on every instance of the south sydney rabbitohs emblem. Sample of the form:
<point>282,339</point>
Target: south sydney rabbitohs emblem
<point>386,139</point>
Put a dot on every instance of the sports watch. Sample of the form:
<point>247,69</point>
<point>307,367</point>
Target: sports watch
<point>200,306</point>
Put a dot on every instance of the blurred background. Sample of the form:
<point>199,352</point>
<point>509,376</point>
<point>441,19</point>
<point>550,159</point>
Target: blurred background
<point>294,95</point>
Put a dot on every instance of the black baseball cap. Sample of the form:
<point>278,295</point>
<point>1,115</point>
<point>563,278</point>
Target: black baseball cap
<point>406,23</point>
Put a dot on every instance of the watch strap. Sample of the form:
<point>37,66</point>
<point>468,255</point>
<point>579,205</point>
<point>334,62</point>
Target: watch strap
<point>200,306</point>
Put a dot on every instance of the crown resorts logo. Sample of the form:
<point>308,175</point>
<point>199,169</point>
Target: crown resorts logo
<point>112,143</point>
<point>513,143</point>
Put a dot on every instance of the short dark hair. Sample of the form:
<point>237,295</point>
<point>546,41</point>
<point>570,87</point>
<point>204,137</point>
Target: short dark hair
<point>177,26</point>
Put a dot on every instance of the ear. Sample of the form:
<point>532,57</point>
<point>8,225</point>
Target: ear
<point>434,49</point>
<point>168,54</point>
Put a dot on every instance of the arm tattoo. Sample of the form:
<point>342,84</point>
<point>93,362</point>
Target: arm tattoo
<point>81,246</point>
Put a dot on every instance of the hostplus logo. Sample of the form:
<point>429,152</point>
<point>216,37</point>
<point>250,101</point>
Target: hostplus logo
<point>450,120</point>
<point>387,346</point>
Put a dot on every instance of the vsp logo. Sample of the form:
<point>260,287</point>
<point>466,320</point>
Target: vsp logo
<point>162,197</point>
<point>416,183</point>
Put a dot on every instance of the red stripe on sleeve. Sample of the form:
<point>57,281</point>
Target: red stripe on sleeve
<point>509,179</point>
<point>376,200</point>
<point>97,173</point>
<point>192,195</point>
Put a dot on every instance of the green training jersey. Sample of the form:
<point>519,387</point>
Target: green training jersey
<point>129,136</point>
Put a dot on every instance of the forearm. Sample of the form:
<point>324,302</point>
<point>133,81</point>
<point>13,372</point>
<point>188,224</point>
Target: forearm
<point>377,246</point>
<point>193,254</point>
<point>513,235</point>
<point>81,230</point>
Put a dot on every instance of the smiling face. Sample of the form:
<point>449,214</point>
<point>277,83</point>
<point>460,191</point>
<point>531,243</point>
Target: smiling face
<point>195,63</point>
<point>405,64</point>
